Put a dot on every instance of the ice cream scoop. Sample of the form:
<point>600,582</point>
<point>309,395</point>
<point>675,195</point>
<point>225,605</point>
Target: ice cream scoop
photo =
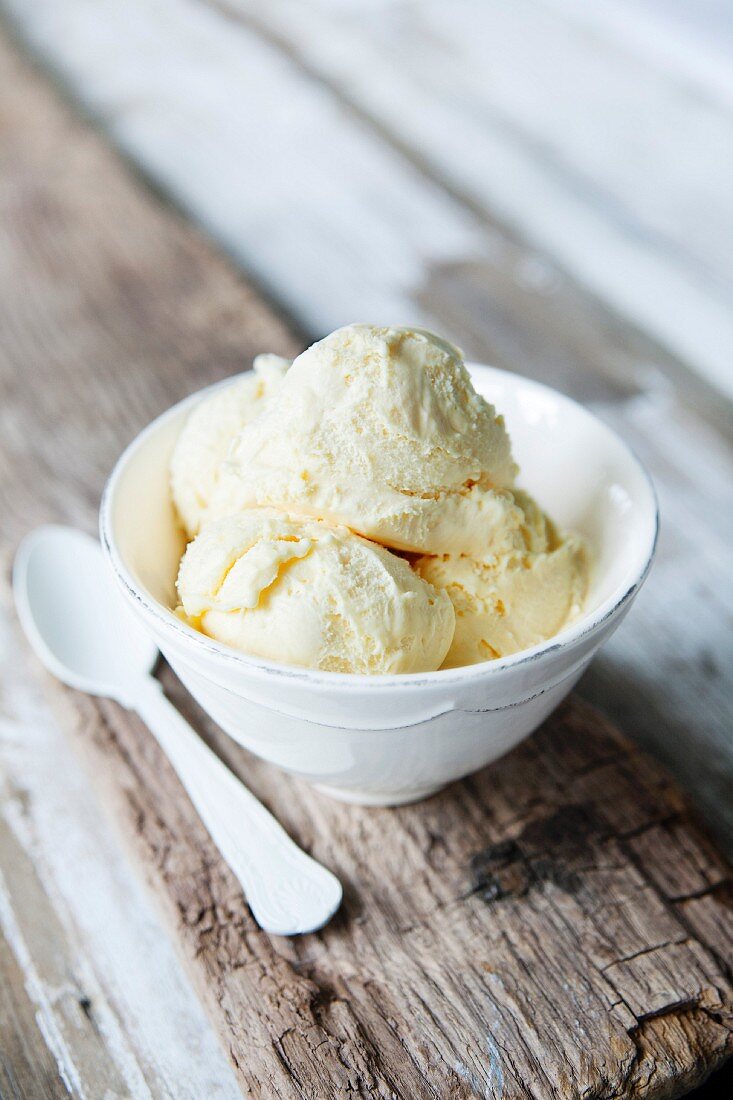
<point>381,430</point>
<point>302,592</point>
<point>373,440</point>
<point>198,464</point>
<point>511,602</point>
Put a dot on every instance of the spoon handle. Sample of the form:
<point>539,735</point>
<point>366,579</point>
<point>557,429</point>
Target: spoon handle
<point>287,891</point>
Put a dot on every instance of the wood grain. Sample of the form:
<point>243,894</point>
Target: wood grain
<point>343,157</point>
<point>27,1067</point>
<point>555,926</point>
<point>93,962</point>
<point>552,927</point>
<point>527,117</point>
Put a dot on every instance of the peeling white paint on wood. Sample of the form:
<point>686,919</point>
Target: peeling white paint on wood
<point>689,40</point>
<point>68,863</point>
<point>609,164</point>
<point>40,996</point>
<point>614,169</point>
<point>681,632</point>
<point>315,204</point>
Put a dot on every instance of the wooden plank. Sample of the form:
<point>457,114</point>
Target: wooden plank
<point>485,947</point>
<point>591,154</point>
<point>516,936</point>
<point>238,178</point>
<point>321,124</point>
<point>74,916</point>
<point>690,41</point>
<point>27,1067</point>
<point>62,1010</point>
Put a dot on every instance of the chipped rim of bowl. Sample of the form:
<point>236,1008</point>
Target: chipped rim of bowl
<point>586,624</point>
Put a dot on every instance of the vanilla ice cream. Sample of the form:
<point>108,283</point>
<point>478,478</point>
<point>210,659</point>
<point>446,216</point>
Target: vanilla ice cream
<point>381,430</point>
<point>307,482</point>
<point>198,465</point>
<point>307,593</point>
<point>512,601</point>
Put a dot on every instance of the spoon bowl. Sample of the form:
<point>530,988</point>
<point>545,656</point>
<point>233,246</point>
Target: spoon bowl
<point>74,618</point>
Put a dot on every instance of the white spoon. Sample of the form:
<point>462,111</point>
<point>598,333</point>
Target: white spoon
<point>86,637</point>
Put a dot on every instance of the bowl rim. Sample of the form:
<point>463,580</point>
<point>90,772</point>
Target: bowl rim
<point>585,625</point>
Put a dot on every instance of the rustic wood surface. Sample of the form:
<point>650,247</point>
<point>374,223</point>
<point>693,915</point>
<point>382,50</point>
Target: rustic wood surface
<point>555,926</point>
<point>346,155</point>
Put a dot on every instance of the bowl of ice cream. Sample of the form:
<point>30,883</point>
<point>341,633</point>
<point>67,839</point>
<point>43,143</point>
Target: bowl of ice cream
<point>350,563</point>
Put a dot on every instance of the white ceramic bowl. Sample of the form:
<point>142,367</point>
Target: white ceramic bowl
<point>384,740</point>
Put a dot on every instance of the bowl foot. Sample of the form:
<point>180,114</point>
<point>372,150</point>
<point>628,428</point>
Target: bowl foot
<point>379,798</point>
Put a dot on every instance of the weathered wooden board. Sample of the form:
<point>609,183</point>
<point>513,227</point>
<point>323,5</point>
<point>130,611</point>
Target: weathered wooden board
<point>524,113</point>
<point>555,926</point>
<point>100,1000</point>
<point>92,970</point>
<point>344,157</point>
<point>27,1067</point>
<point>690,41</point>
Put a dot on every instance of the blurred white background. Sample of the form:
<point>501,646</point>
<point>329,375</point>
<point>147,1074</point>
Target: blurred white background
<point>383,159</point>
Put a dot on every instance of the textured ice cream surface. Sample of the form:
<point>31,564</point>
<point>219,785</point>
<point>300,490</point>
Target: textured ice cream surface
<point>514,601</point>
<point>381,430</point>
<point>302,592</point>
<point>198,465</point>
<point>299,481</point>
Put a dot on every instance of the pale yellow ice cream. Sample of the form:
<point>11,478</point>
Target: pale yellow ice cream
<point>302,592</point>
<point>198,465</point>
<point>511,602</point>
<point>380,429</point>
<point>302,479</point>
